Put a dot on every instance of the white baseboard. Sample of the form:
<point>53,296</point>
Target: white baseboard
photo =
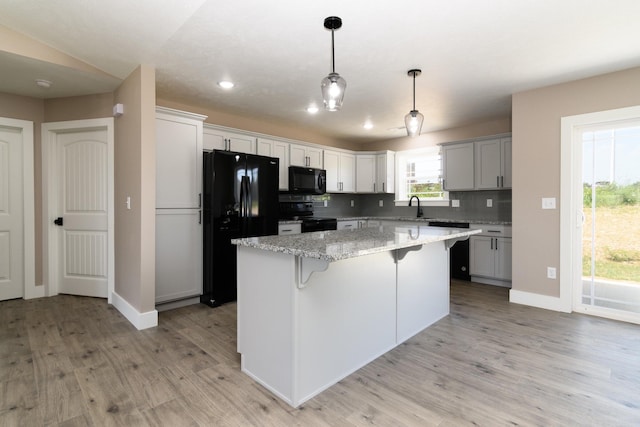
<point>536,300</point>
<point>137,319</point>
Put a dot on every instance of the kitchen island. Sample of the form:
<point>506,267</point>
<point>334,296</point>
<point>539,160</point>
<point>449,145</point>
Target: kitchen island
<point>315,307</point>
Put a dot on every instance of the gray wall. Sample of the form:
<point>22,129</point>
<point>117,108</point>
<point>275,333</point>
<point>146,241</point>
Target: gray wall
<point>473,206</point>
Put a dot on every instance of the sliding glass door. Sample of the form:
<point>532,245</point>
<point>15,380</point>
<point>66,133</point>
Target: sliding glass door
<point>611,220</point>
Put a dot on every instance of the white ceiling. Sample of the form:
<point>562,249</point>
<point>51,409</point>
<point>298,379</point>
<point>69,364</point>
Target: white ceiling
<point>473,54</point>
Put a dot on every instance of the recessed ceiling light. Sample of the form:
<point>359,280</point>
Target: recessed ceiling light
<point>368,125</point>
<point>225,84</point>
<point>312,109</point>
<point>43,83</point>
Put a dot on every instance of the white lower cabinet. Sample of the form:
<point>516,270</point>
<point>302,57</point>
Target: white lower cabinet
<point>348,225</point>
<point>490,255</point>
<point>285,229</point>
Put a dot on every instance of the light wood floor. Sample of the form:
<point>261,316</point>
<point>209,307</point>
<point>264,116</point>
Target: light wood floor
<point>72,361</point>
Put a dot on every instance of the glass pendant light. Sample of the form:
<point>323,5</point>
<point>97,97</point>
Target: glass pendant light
<point>413,120</point>
<point>333,86</point>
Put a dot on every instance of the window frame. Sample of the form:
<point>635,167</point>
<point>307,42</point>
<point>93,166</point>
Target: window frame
<point>400,175</point>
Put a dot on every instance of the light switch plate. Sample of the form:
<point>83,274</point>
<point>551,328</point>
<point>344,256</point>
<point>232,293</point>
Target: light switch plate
<point>548,203</point>
<point>551,272</point>
<point>352,203</point>
<point>489,203</point>
<point>455,203</point>
<point>381,203</point>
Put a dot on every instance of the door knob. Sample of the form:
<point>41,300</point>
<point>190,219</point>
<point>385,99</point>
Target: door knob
<point>58,221</point>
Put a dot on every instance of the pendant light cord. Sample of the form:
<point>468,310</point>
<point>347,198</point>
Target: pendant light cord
<point>333,55</point>
<point>414,90</point>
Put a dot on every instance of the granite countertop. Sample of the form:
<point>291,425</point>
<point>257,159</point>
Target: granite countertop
<point>342,244</point>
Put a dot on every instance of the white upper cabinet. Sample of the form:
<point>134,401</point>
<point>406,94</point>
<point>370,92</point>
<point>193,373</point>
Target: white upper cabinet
<point>304,155</point>
<point>385,172</point>
<point>217,139</point>
<point>458,166</point>
<point>493,163</point>
<point>179,159</point>
<point>375,172</point>
<point>365,173</point>
<point>341,171</point>
<point>279,149</point>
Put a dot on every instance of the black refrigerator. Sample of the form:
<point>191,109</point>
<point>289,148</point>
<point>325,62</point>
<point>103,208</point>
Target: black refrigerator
<point>240,199</point>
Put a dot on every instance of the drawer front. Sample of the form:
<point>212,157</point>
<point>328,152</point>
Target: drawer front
<point>492,230</point>
<point>284,229</point>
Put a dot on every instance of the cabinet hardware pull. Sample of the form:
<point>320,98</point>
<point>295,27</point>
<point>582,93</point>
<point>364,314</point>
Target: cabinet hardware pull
<point>497,181</point>
<point>383,187</point>
<point>496,244</point>
<point>492,243</point>
<point>374,187</point>
<point>199,217</point>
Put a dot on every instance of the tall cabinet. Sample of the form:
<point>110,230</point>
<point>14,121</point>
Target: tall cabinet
<point>179,142</point>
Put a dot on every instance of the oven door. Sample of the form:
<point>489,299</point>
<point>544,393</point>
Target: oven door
<point>309,225</point>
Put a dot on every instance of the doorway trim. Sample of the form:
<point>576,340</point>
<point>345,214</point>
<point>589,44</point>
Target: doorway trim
<point>50,258</point>
<point>30,290</point>
<point>570,200</point>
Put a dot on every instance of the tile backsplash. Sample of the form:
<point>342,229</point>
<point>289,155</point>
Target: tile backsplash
<point>473,206</point>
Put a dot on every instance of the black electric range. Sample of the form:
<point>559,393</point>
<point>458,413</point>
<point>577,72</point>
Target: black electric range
<point>303,211</point>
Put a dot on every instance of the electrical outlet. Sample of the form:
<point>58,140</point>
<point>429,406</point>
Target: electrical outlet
<point>352,203</point>
<point>381,203</point>
<point>489,203</point>
<point>326,203</point>
<point>455,203</point>
<point>551,272</point>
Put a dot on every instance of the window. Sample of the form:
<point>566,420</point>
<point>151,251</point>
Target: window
<point>419,173</point>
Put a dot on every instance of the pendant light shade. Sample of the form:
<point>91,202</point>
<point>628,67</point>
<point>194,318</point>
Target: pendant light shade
<point>333,86</point>
<point>413,120</point>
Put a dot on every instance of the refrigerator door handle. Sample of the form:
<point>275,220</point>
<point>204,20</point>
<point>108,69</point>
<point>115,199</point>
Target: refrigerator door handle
<point>242,197</point>
<point>249,197</point>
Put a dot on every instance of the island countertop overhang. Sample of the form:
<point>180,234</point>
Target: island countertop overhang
<point>337,245</point>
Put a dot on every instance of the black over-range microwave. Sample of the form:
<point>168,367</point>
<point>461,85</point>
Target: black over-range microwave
<point>304,180</point>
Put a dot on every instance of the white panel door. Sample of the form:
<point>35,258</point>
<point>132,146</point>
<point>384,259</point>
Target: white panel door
<point>11,215</point>
<point>83,207</point>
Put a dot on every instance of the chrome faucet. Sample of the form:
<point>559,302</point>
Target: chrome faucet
<point>419,214</point>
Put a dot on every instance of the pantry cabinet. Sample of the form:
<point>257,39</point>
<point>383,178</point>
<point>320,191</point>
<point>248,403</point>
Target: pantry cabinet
<point>179,144</point>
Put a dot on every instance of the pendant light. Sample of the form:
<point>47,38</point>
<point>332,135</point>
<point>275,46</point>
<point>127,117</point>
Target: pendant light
<point>333,86</point>
<point>413,120</point>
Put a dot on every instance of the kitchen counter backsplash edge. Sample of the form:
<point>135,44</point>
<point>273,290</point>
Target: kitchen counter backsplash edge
<point>413,219</point>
